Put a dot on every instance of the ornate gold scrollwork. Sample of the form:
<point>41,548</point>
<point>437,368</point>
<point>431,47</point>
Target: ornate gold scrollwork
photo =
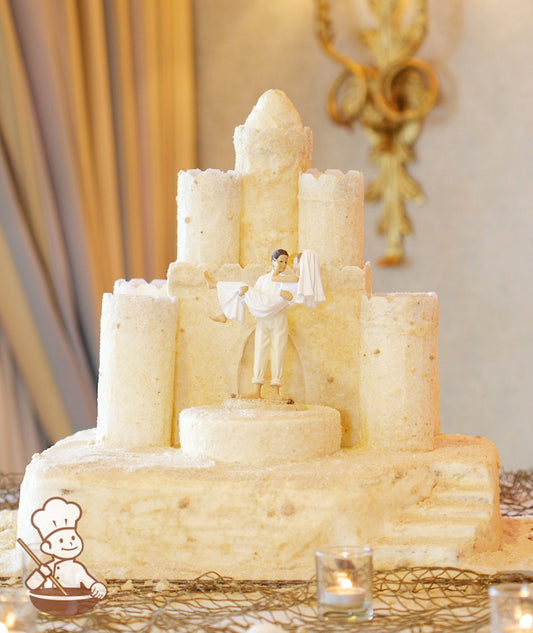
<point>390,100</point>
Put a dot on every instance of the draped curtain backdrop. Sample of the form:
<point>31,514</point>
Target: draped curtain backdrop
<point>96,118</point>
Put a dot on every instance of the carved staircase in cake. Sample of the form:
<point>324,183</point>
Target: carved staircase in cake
<point>444,526</point>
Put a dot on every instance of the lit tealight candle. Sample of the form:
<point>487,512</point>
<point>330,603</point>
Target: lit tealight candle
<point>524,625</point>
<point>17,614</point>
<point>526,621</point>
<point>344,583</point>
<point>8,623</point>
<point>345,595</point>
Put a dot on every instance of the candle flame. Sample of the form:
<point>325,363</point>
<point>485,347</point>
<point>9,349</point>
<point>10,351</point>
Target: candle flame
<point>9,622</point>
<point>345,583</point>
<point>526,621</point>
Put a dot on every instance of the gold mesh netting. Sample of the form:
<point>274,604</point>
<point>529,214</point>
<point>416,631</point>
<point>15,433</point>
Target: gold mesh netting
<point>516,493</point>
<point>423,600</point>
<point>418,600</point>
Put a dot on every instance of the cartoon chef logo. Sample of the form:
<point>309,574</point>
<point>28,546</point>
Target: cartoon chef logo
<point>62,580</point>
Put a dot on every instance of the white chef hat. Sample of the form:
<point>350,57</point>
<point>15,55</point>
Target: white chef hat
<point>56,514</point>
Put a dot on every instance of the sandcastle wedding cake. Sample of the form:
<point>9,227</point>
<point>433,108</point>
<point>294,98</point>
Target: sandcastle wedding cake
<point>182,475</point>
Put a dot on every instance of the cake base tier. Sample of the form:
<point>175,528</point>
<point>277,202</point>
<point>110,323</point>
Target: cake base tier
<point>159,514</point>
<point>259,431</point>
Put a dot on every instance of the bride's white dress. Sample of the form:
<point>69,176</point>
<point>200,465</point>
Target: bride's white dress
<point>306,291</point>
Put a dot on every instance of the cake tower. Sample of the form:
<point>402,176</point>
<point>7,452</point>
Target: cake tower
<point>178,478</point>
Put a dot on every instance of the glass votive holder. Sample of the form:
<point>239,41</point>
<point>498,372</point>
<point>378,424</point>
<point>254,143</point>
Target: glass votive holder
<point>17,613</point>
<point>344,583</point>
<point>511,608</point>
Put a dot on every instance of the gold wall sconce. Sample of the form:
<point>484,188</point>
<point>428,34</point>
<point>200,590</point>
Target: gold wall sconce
<point>390,99</point>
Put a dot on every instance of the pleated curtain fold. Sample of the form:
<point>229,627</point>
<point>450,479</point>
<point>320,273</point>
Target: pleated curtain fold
<point>96,119</point>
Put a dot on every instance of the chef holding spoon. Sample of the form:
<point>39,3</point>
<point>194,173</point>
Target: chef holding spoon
<point>56,523</point>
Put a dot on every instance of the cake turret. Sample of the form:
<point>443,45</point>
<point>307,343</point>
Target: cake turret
<point>208,217</point>
<point>399,391</point>
<point>137,365</point>
<point>331,216</point>
<point>271,149</point>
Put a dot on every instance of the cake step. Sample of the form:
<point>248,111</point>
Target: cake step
<point>403,555</point>
<point>455,475</point>
<point>429,528</point>
<point>466,495</point>
<point>442,509</point>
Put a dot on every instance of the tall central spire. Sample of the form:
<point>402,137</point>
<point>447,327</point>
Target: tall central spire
<point>272,148</point>
<point>273,110</point>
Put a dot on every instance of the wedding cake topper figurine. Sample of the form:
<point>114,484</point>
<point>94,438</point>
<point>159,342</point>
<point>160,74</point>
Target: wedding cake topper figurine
<point>270,298</point>
<point>56,523</point>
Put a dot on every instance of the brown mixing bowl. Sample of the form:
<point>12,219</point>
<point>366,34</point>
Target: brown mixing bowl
<point>53,602</point>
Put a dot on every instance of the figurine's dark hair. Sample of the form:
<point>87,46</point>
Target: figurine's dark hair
<point>277,253</point>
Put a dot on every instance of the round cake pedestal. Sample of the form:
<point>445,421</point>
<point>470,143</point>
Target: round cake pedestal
<point>257,431</point>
